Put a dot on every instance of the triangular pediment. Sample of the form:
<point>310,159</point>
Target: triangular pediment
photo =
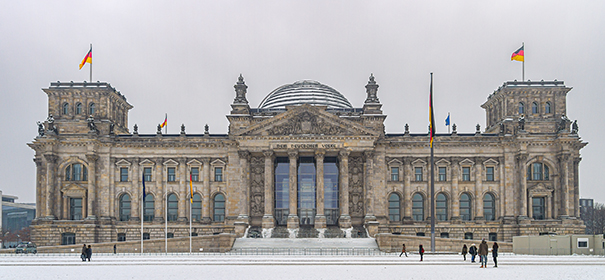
<point>73,190</point>
<point>306,120</point>
<point>467,162</point>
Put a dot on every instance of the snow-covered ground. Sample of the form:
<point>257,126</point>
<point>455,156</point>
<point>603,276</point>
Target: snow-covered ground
<point>223,266</point>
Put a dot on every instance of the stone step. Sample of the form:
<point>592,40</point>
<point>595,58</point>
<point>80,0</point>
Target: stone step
<point>305,243</point>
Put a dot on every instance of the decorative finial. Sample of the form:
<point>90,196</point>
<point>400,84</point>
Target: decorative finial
<point>371,90</point>
<point>240,91</point>
<point>183,128</point>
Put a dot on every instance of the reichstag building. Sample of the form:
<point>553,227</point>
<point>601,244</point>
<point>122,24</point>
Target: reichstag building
<point>304,163</point>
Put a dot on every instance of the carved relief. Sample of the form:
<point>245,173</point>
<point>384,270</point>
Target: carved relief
<point>356,205</point>
<point>307,123</point>
<point>257,184</point>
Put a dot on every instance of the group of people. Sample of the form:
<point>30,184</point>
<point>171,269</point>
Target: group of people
<point>482,252</point>
<point>86,253</point>
<point>473,251</point>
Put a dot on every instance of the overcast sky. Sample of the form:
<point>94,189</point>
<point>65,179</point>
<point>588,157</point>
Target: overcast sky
<point>183,58</point>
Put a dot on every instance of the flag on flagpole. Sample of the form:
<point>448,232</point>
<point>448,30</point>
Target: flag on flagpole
<point>431,115</point>
<point>518,55</point>
<point>165,121</point>
<point>447,120</point>
<point>87,58</point>
<point>191,187</point>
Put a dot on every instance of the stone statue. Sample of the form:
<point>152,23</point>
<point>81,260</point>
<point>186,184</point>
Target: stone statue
<point>478,128</point>
<point>407,129</point>
<point>522,122</point>
<point>574,127</point>
<point>454,126</point>
<point>136,129</point>
<point>40,129</point>
<point>563,123</point>
<point>91,124</point>
<point>182,128</point>
<point>111,128</point>
<point>206,128</point>
<point>159,129</point>
<point>501,128</point>
<point>51,123</point>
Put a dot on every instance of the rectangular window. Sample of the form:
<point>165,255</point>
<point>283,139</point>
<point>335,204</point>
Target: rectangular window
<point>75,208</point>
<point>489,173</point>
<point>466,173</point>
<point>445,235</point>
<point>147,174</point>
<point>442,175</point>
<point>123,174</point>
<point>582,242</point>
<point>537,172</point>
<point>146,236</point>
<point>468,235</point>
<point>538,208</point>
<point>68,238</point>
<point>218,174</point>
<point>121,237</point>
<point>420,234</point>
<point>395,174</point>
<point>171,174</point>
<point>418,174</point>
<point>493,236</point>
<point>195,174</point>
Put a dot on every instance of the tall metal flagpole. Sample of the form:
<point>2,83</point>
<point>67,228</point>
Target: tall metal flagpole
<point>166,126</point>
<point>91,63</point>
<point>523,73</point>
<point>432,174</point>
<point>142,211</point>
<point>190,208</point>
<point>166,220</point>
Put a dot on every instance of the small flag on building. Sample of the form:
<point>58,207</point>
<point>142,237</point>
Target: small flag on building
<point>165,121</point>
<point>518,55</point>
<point>87,58</point>
<point>447,120</point>
<point>191,187</point>
<point>431,115</point>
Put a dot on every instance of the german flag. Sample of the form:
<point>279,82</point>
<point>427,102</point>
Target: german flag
<point>431,115</point>
<point>518,55</point>
<point>87,58</point>
<point>165,122</point>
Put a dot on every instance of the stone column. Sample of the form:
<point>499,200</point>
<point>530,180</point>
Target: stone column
<point>160,194</point>
<point>369,190</point>
<point>51,196</point>
<point>183,198</point>
<point>268,219</point>
<point>112,188</point>
<point>523,199</point>
<point>206,192</point>
<point>564,177</point>
<point>344,221</point>
<point>501,200</point>
<point>39,194</point>
<point>244,163</point>
<point>478,189</point>
<point>137,191</point>
<point>407,200</point>
<point>320,218</point>
<point>455,193</point>
<point>293,220</point>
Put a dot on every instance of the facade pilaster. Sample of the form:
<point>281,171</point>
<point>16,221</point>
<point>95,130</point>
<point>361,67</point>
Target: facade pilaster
<point>183,197</point>
<point>268,219</point>
<point>206,192</point>
<point>244,205</point>
<point>39,195</point>
<point>160,198</point>
<point>369,191</point>
<point>344,221</point>
<point>52,197</point>
<point>320,218</point>
<point>478,189</point>
<point>137,190</point>
<point>112,189</point>
<point>523,199</point>
<point>455,167</point>
<point>407,177</point>
<point>293,219</point>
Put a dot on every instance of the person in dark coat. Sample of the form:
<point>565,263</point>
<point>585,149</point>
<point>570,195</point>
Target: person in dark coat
<point>464,251</point>
<point>115,249</point>
<point>421,252</point>
<point>483,249</point>
<point>403,251</point>
<point>83,255</point>
<point>88,252</point>
<point>473,251</point>
<point>495,253</point>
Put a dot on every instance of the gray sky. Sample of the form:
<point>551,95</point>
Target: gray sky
<point>183,58</point>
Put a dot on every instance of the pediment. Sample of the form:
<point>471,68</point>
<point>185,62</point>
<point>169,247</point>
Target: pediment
<point>540,188</point>
<point>194,162</point>
<point>123,162</point>
<point>147,162</point>
<point>395,162</point>
<point>442,162</point>
<point>419,162</point>
<point>467,161</point>
<point>171,162</point>
<point>218,162</point>
<point>73,190</point>
<point>307,120</point>
<point>490,161</point>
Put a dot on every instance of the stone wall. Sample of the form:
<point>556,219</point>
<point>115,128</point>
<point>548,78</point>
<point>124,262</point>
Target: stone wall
<point>392,243</point>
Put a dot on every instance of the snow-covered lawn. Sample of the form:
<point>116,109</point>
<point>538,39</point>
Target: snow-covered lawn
<point>221,266</point>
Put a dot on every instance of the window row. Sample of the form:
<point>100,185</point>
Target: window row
<point>535,108</point>
<point>441,207</point>
<point>194,174</point>
<point>442,174</point>
<point>149,206</point>
<point>78,109</point>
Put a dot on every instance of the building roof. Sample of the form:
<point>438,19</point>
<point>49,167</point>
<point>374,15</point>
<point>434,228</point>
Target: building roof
<point>304,92</point>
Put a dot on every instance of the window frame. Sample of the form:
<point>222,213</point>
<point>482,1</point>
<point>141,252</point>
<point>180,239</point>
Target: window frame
<point>394,173</point>
<point>418,210</point>
<point>196,207</point>
<point>149,207</point>
<point>68,238</point>
<point>79,108</point>
<point>418,174</point>
<point>171,174</point>
<point>173,207</point>
<point>195,176</point>
<point>491,208</point>
<point>148,177</point>
<point>541,213</point>
<point>534,108</point>
<point>466,176</point>
<point>218,174</point>
<point>469,208</point>
<point>444,215</point>
<point>442,175</point>
<point>218,211</point>
<point>91,108</point>
<point>73,209</point>
<point>122,208</point>
<point>394,202</point>
<point>547,108</point>
<point>490,176</point>
<point>123,174</point>
<point>65,109</point>
<point>521,108</point>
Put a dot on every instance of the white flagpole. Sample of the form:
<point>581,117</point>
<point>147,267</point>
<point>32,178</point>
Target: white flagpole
<point>142,217</point>
<point>166,220</point>
<point>91,64</point>
<point>190,233</point>
<point>523,73</point>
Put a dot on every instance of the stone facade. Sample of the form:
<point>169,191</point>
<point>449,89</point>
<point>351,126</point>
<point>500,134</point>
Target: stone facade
<point>518,177</point>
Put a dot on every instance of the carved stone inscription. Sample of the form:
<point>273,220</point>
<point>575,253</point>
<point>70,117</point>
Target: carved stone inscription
<point>356,204</point>
<point>257,185</point>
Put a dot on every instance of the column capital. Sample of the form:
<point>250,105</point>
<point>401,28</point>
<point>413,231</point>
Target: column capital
<point>243,154</point>
<point>51,158</point>
<point>268,153</point>
<point>206,160</point>
<point>369,154</point>
<point>92,158</point>
<point>292,154</point>
<point>320,154</point>
<point>38,161</point>
<point>344,153</point>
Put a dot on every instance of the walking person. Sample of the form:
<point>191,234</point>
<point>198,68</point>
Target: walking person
<point>114,249</point>
<point>421,252</point>
<point>88,252</point>
<point>495,253</point>
<point>403,251</point>
<point>473,252</point>
<point>83,255</point>
<point>464,251</point>
<point>483,253</point>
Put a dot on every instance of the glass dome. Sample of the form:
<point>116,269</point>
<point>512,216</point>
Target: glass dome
<point>304,92</point>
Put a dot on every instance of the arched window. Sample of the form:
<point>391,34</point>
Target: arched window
<point>124,207</point>
<point>465,207</point>
<point>489,207</point>
<point>91,109</point>
<point>538,171</point>
<point>394,207</point>
<point>441,207</point>
<point>196,208</point>
<point>173,207</point>
<point>521,108</point>
<point>547,108</point>
<point>149,209</point>
<point>65,109</point>
<point>534,108</point>
<point>76,172</point>
<point>219,208</point>
<point>78,108</point>
<point>418,207</point>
